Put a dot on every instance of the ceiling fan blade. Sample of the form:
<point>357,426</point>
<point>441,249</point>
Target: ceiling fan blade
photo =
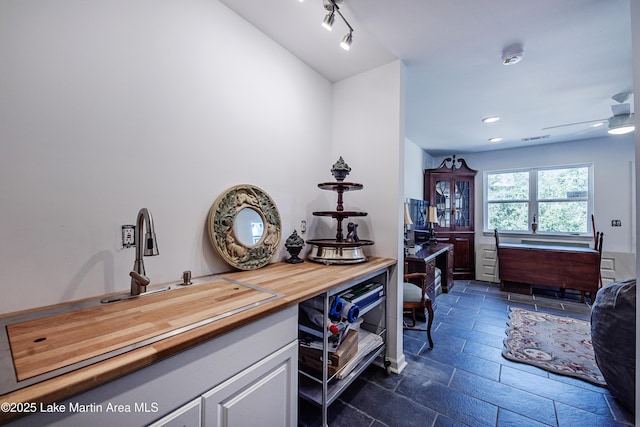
<point>576,123</point>
<point>591,129</point>
<point>621,109</point>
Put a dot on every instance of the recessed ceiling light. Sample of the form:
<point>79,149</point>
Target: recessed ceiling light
<point>490,119</point>
<point>598,124</point>
<point>496,139</point>
<point>512,54</point>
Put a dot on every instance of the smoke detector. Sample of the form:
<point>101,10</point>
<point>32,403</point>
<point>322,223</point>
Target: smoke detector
<point>512,54</point>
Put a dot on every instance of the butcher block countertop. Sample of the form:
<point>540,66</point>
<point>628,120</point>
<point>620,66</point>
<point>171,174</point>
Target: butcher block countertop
<point>45,344</point>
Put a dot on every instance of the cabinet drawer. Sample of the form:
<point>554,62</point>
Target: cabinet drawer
<point>430,267</point>
<point>431,291</point>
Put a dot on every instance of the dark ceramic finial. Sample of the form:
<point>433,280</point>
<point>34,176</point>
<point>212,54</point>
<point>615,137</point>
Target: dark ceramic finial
<point>352,235</point>
<point>340,170</point>
<point>294,244</point>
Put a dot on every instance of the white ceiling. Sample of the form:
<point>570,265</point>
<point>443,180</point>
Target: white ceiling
<point>577,55</point>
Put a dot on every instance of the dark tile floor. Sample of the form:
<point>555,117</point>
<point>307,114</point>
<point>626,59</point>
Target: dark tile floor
<point>465,381</point>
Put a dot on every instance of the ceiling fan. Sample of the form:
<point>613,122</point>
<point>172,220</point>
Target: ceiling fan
<point>620,123</point>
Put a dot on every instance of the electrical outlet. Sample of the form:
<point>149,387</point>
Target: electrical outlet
<point>616,223</point>
<point>128,236</point>
<point>303,226</point>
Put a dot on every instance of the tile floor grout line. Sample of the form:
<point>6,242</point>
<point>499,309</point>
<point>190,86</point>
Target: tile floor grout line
<point>407,398</point>
<point>373,419</point>
<point>555,412</point>
<point>453,374</point>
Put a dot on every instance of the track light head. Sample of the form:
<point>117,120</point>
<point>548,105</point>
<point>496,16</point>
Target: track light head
<point>346,41</point>
<point>328,20</point>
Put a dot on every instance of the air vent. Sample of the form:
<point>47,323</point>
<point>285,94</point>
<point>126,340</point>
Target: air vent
<point>535,138</point>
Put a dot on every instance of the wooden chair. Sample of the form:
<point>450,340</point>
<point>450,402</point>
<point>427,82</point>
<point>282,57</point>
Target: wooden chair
<point>415,298</point>
<point>598,247</point>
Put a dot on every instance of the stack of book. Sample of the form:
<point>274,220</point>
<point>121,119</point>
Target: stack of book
<point>311,352</point>
<point>367,342</point>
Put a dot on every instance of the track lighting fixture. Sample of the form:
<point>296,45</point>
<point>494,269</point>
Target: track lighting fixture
<point>328,20</point>
<point>332,7</point>
<point>346,41</point>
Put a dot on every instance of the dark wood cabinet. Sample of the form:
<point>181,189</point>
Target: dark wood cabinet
<point>464,262</point>
<point>450,188</point>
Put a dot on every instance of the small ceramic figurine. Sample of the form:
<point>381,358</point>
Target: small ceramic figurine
<point>294,244</point>
<point>352,232</point>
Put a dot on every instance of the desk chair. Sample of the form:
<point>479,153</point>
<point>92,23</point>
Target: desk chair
<point>414,297</point>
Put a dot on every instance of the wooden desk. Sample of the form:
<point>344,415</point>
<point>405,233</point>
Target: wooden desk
<point>565,267</point>
<point>427,259</point>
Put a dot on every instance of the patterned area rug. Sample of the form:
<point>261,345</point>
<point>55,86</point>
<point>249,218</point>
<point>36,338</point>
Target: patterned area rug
<point>556,344</point>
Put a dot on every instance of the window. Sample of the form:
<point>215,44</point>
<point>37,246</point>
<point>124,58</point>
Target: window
<point>559,197</point>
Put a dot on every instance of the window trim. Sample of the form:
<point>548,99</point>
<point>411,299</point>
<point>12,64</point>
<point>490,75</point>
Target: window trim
<point>533,200</point>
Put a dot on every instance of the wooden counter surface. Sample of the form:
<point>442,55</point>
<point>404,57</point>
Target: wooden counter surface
<point>296,282</point>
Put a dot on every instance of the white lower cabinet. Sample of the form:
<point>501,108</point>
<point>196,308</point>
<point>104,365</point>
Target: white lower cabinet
<point>262,395</point>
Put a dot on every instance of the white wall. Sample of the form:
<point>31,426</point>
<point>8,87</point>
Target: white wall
<point>416,160</point>
<point>110,106</point>
<point>368,132</point>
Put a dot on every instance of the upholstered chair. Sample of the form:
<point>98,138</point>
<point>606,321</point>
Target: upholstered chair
<point>414,302</point>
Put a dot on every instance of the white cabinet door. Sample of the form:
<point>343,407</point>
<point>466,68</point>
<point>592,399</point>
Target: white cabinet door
<point>264,394</point>
<point>185,416</point>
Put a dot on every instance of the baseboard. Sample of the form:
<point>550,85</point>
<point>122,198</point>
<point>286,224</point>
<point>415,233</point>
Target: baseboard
<point>398,365</point>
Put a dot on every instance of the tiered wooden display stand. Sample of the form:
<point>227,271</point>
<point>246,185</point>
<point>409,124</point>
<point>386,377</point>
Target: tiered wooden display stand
<point>341,250</point>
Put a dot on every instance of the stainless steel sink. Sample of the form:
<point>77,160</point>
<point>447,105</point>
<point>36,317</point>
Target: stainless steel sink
<point>124,297</point>
<point>8,377</point>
